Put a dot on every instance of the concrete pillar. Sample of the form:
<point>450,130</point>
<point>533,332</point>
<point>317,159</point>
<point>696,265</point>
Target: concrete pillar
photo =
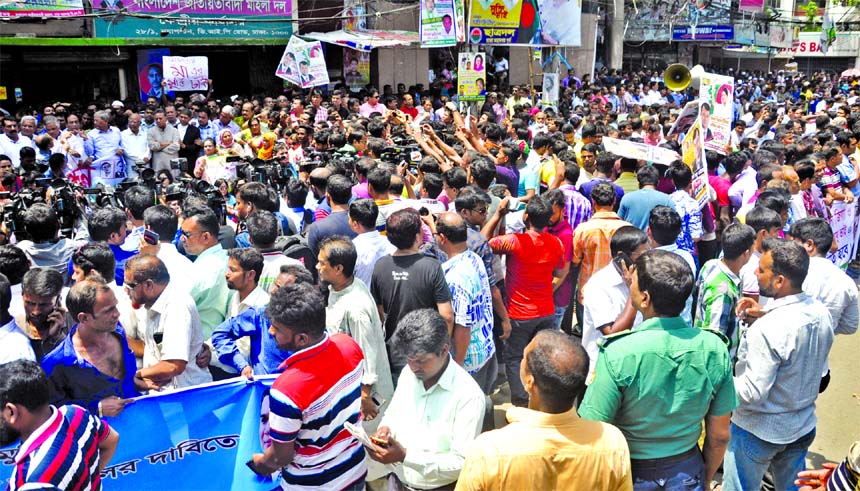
<point>616,35</point>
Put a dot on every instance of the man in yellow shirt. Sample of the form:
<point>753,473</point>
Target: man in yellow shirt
<point>548,446</point>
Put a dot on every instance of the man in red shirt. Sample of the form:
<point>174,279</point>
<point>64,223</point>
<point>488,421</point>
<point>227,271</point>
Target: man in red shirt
<point>535,268</point>
<point>408,106</point>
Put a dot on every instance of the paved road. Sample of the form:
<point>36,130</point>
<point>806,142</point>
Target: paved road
<point>839,406</point>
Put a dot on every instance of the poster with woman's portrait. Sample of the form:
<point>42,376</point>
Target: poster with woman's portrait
<point>150,73</point>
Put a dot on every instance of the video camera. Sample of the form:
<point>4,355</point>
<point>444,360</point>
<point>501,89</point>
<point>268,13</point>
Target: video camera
<point>400,154</point>
<point>274,172</point>
<point>63,201</point>
<point>188,187</point>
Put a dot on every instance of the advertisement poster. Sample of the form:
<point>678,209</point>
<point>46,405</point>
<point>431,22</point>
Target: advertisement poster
<point>36,8</point>
<point>303,64</point>
<point>186,73</point>
<point>471,77</point>
<point>438,25</point>
<point>525,22</point>
<point>751,5</point>
<point>693,154</point>
<point>356,68</point>
<point>653,20</point>
<point>184,19</point>
<point>717,94</point>
<point>150,72</point>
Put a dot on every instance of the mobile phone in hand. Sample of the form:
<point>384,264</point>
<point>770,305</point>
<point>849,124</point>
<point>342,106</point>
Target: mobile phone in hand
<point>150,237</point>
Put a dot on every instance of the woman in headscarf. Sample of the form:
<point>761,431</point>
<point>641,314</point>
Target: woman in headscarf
<point>268,146</point>
<point>228,147</point>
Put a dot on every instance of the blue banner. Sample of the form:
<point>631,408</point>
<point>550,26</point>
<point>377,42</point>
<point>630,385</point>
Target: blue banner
<point>703,33</point>
<point>197,438</point>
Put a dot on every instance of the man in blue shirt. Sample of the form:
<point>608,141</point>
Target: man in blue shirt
<point>266,357</point>
<point>103,145</point>
<point>93,367</point>
<point>109,225</point>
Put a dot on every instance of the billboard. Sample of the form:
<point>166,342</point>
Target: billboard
<point>150,72</point>
<point>525,22</point>
<point>196,19</point>
<point>703,33</point>
<point>41,8</point>
<point>439,24</point>
<point>651,20</point>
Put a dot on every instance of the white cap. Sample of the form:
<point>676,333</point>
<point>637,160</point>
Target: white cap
<point>117,104</point>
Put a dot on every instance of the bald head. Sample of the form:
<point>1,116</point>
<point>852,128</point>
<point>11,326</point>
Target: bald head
<point>554,370</point>
<point>452,227</point>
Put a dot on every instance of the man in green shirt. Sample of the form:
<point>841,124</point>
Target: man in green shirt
<point>720,285</point>
<point>658,382</point>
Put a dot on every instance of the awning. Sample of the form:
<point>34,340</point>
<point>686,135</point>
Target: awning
<point>365,40</point>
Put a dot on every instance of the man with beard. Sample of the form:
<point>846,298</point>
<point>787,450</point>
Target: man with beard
<point>312,400</point>
<point>67,438</point>
<point>9,182</point>
<point>11,142</point>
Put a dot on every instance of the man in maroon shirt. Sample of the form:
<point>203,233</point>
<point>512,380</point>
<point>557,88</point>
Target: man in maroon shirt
<point>560,227</point>
<point>535,268</point>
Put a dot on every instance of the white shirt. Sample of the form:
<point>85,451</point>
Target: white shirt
<point>836,290</point>
<point>177,265</point>
<point>13,149</point>
<point>14,344</point>
<point>182,129</point>
<point>436,425</point>
<point>174,317</point>
<point>604,297</point>
<point>76,144</point>
<point>256,298</point>
<point>135,146</point>
<point>370,247</point>
<point>272,262</point>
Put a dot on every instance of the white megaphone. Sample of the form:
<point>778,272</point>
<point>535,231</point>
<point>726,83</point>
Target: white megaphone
<point>696,75</point>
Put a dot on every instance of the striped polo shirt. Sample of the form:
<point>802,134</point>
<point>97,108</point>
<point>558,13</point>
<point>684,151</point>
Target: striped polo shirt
<point>64,451</point>
<point>319,390</point>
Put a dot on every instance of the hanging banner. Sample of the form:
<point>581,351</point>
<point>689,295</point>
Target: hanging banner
<point>150,72</point>
<point>717,95</point>
<point>471,77</point>
<point>356,68</point>
<point>354,16</point>
<point>37,8</point>
<point>751,5</point>
<point>186,73</point>
<point>693,154</point>
<point>842,222</point>
<point>303,64</point>
<point>549,89</point>
<point>288,68</point>
<point>525,22</point>
<point>196,438</point>
<point>181,19</point>
<point>438,25</point>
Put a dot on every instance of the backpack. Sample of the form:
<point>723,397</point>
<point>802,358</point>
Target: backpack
<point>296,247</point>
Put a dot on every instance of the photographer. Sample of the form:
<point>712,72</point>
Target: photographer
<point>45,248</point>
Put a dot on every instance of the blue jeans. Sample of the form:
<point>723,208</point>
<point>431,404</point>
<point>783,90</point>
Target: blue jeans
<point>558,317</point>
<point>748,458</point>
<point>682,475</point>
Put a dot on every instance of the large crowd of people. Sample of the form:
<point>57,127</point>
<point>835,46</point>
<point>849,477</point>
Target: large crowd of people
<point>395,259</point>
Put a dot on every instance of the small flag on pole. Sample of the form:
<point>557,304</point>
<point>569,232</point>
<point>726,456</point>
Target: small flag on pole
<point>828,32</point>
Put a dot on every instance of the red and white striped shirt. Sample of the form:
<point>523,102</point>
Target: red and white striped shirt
<point>63,452</point>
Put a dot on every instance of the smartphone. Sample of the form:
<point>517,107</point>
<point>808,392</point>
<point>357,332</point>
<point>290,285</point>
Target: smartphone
<point>150,237</point>
<point>380,442</point>
<point>623,259</point>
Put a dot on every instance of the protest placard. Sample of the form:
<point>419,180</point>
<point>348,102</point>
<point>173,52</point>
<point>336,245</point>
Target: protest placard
<point>438,25</point>
<point>844,233</point>
<point>303,64</point>
<point>716,93</point>
<point>186,73</point>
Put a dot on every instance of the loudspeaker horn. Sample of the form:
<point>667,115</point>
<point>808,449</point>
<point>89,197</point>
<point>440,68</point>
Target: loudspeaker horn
<point>677,77</point>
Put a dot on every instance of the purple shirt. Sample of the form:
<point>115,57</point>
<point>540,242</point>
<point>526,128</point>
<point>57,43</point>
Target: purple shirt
<point>360,191</point>
<point>577,208</point>
<point>509,177</point>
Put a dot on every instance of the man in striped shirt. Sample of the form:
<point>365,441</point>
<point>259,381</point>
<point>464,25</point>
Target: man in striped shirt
<point>62,447</point>
<point>318,391</point>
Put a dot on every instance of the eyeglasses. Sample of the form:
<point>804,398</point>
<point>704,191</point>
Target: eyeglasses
<point>130,285</point>
<point>480,211</point>
<point>188,235</point>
